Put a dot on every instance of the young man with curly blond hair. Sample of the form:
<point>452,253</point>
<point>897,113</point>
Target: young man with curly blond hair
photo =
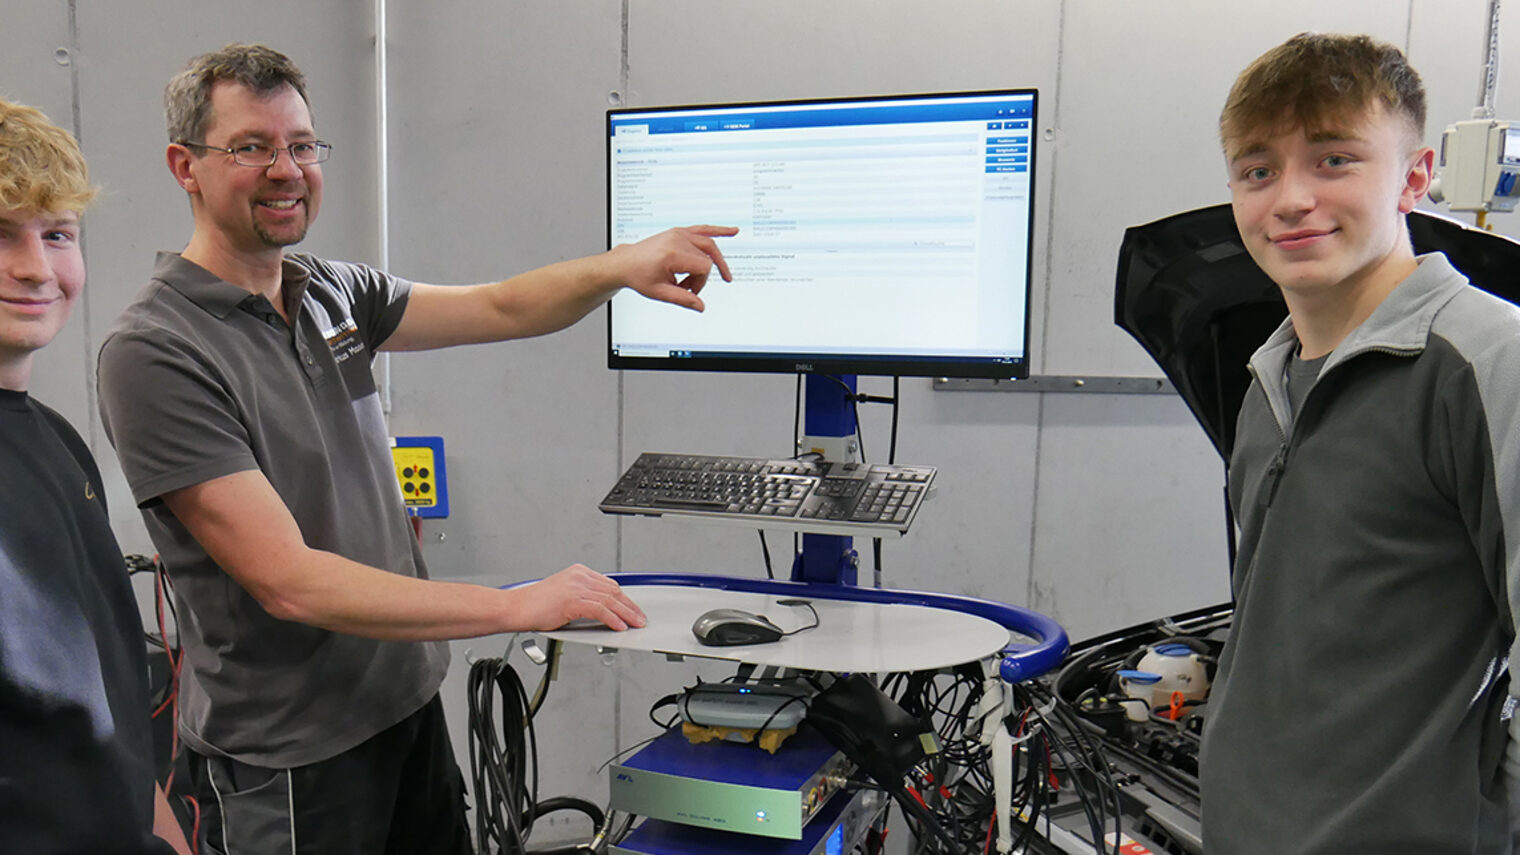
<point>76,754</point>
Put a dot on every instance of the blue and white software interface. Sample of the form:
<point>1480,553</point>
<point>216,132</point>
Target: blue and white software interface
<point>873,227</point>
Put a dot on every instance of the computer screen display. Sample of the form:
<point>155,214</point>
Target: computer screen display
<point>886,235</point>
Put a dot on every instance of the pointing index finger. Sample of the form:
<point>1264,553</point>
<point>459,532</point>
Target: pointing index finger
<point>702,238</point>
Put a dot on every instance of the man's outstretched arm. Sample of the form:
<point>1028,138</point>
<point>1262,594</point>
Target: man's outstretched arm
<point>243,525</point>
<point>671,267</point>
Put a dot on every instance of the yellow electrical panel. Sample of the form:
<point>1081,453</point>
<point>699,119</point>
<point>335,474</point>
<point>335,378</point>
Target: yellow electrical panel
<point>420,472</point>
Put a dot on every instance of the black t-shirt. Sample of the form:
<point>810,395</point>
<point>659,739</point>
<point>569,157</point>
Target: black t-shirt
<point>76,771</point>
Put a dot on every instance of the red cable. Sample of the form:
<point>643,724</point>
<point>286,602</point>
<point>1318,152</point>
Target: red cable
<point>160,584</point>
<point>163,635</point>
<point>1050,773</point>
<point>195,825</point>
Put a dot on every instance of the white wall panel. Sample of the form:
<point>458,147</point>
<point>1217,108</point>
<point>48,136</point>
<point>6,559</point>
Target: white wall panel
<point>497,167</point>
<point>1130,513</point>
<point>496,146</point>
<point>33,72</point>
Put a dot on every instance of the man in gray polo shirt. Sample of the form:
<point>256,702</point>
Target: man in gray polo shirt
<point>237,391</point>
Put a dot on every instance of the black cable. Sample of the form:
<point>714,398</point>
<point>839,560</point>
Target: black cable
<point>926,819</point>
<point>170,598</point>
<point>161,578</point>
<point>551,666</point>
<point>856,398</point>
<point>766,725</point>
<point>621,830</point>
<point>1164,773</point>
<point>667,701</point>
<point>860,434</point>
<point>797,417</point>
<point>1074,724</point>
<point>796,449</point>
<point>563,803</point>
<point>640,744</point>
<point>800,602</point>
<point>849,393</point>
<point>504,761</point>
<point>765,550</point>
<point>798,401</point>
<point>569,803</point>
<point>859,397</point>
<point>164,594</point>
<point>504,790</point>
<point>1093,765</point>
<point>891,459</point>
<point>955,783</point>
<point>1084,691</point>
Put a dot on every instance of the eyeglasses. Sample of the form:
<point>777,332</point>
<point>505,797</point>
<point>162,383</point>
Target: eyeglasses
<point>262,156</point>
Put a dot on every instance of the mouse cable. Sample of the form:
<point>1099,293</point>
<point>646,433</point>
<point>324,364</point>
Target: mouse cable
<point>797,601</point>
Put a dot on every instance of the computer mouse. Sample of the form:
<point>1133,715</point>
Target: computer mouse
<point>731,627</point>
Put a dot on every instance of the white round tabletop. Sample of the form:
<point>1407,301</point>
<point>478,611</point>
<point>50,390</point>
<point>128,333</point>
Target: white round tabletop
<point>850,636</point>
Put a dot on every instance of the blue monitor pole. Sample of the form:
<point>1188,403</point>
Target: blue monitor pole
<point>827,413</point>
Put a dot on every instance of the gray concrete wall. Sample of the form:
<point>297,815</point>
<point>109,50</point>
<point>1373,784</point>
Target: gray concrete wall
<point>1098,510</point>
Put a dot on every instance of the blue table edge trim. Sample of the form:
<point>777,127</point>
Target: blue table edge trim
<point>1020,662</point>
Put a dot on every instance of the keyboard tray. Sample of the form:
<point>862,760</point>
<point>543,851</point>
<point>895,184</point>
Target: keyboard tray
<point>794,495</point>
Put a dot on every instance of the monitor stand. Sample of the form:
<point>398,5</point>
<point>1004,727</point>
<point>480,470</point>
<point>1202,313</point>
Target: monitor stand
<point>828,424</point>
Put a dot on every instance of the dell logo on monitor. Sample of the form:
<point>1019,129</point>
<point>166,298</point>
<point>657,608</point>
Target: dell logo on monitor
<point>804,366</point>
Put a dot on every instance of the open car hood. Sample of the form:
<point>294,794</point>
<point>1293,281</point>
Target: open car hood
<point>1190,294</point>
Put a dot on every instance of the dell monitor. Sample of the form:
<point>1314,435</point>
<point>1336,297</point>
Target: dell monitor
<point>882,235</point>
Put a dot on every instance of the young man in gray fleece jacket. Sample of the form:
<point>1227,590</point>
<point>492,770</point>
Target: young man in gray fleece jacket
<point>1363,698</point>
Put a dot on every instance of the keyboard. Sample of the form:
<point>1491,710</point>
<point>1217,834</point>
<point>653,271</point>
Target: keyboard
<point>796,495</point>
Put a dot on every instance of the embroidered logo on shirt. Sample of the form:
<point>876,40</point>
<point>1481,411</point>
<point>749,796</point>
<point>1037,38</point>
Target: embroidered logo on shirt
<point>89,491</point>
<point>344,340</point>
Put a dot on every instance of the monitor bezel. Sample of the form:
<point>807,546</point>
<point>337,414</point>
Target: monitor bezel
<point>934,365</point>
